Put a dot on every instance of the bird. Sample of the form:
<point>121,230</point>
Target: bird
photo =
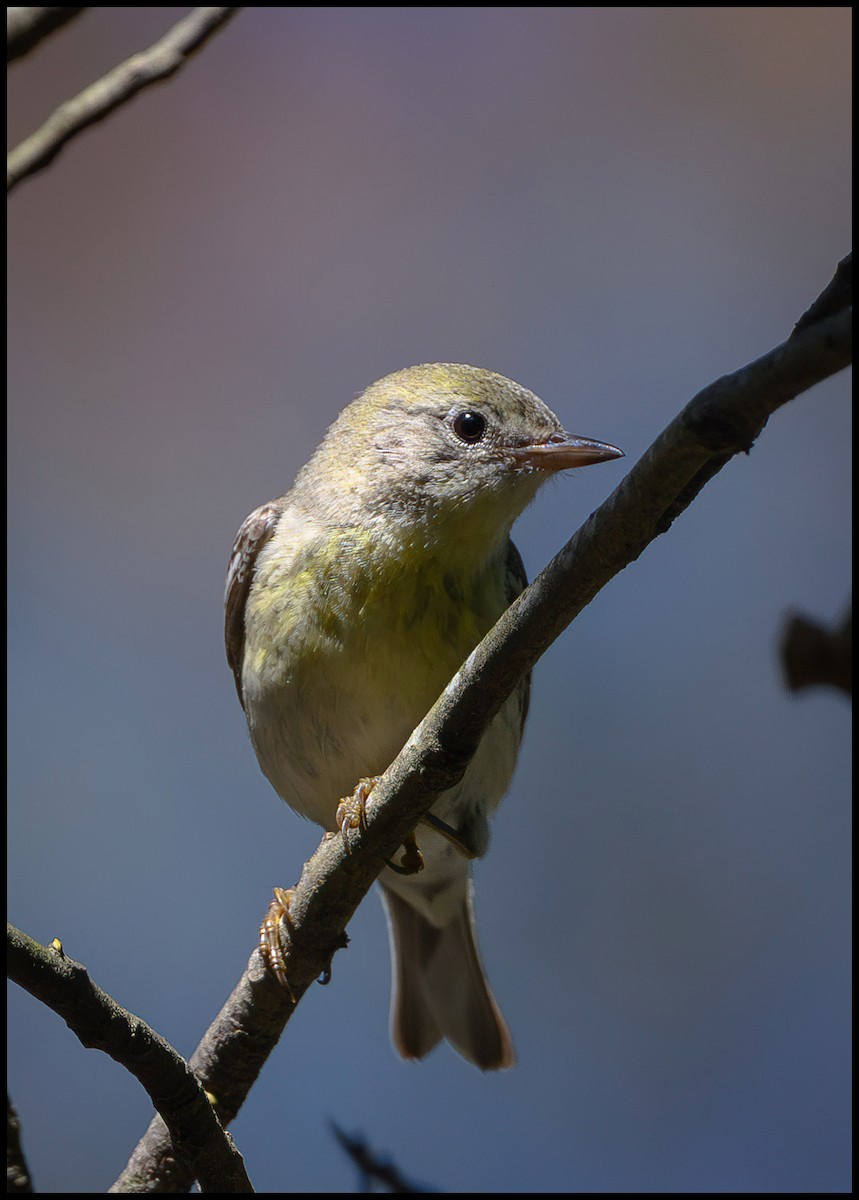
<point>351,601</point>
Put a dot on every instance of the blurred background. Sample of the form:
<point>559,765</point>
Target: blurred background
<point>613,206</point>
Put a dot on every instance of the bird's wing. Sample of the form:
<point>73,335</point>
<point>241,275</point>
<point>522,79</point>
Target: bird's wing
<point>517,581</point>
<point>253,535</point>
<point>517,577</point>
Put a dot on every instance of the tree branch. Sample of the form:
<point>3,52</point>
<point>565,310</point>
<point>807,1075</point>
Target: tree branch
<point>150,66</point>
<point>25,27</point>
<point>17,1171</point>
<point>721,421</point>
<point>371,1168</point>
<point>813,654</point>
<point>100,1023</point>
<point>836,296</point>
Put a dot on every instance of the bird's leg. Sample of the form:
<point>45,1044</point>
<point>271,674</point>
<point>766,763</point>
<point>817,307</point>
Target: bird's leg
<point>452,835</point>
<point>352,814</point>
<point>352,810</point>
<point>271,941</point>
<point>271,936</point>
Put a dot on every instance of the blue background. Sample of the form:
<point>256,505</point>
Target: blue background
<point>613,206</point>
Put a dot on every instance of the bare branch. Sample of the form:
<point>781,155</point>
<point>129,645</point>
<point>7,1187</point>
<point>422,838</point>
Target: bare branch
<point>100,1023</point>
<point>25,27</point>
<point>150,66</point>
<point>721,421</point>
<point>17,1173</point>
<point>836,296</point>
<point>371,1168</point>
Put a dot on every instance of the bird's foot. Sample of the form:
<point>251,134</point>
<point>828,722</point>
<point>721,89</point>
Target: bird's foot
<point>278,920</point>
<point>412,860</point>
<point>352,810</point>
<point>352,814</point>
<point>271,936</point>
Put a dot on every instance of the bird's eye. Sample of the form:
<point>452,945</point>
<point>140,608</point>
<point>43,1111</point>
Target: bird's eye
<point>469,426</point>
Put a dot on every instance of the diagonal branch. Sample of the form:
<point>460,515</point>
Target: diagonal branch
<point>100,1023</point>
<point>25,27</point>
<point>371,1167</point>
<point>140,71</point>
<point>721,421</point>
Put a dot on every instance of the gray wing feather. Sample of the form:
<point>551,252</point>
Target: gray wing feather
<point>517,581</point>
<point>253,535</point>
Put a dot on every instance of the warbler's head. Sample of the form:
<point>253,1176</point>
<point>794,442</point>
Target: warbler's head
<point>439,443</point>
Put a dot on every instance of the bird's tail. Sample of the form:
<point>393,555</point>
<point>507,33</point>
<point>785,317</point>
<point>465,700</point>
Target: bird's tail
<point>440,989</point>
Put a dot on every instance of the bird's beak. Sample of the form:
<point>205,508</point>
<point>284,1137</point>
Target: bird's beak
<point>564,450</point>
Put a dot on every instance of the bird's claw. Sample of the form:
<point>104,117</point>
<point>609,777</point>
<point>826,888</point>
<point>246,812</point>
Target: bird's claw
<point>412,860</point>
<point>352,810</point>
<point>352,814</point>
<point>271,941</point>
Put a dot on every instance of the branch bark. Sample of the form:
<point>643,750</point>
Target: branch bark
<point>17,1171</point>
<point>140,71</point>
<point>100,1023</point>
<point>25,27</point>
<point>721,421</point>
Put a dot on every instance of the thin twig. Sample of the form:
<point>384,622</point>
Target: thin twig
<point>25,27</point>
<point>100,1023</point>
<point>150,66</point>
<point>371,1168</point>
<point>721,421</point>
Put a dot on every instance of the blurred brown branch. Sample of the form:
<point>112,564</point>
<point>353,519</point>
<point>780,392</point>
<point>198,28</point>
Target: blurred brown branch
<point>25,27</point>
<point>813,654</point>
<point>140,71</point>
<point>17,1172</point>
<point>371,1168</point>
<point>722,420</point>
<point>99,1022</point>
